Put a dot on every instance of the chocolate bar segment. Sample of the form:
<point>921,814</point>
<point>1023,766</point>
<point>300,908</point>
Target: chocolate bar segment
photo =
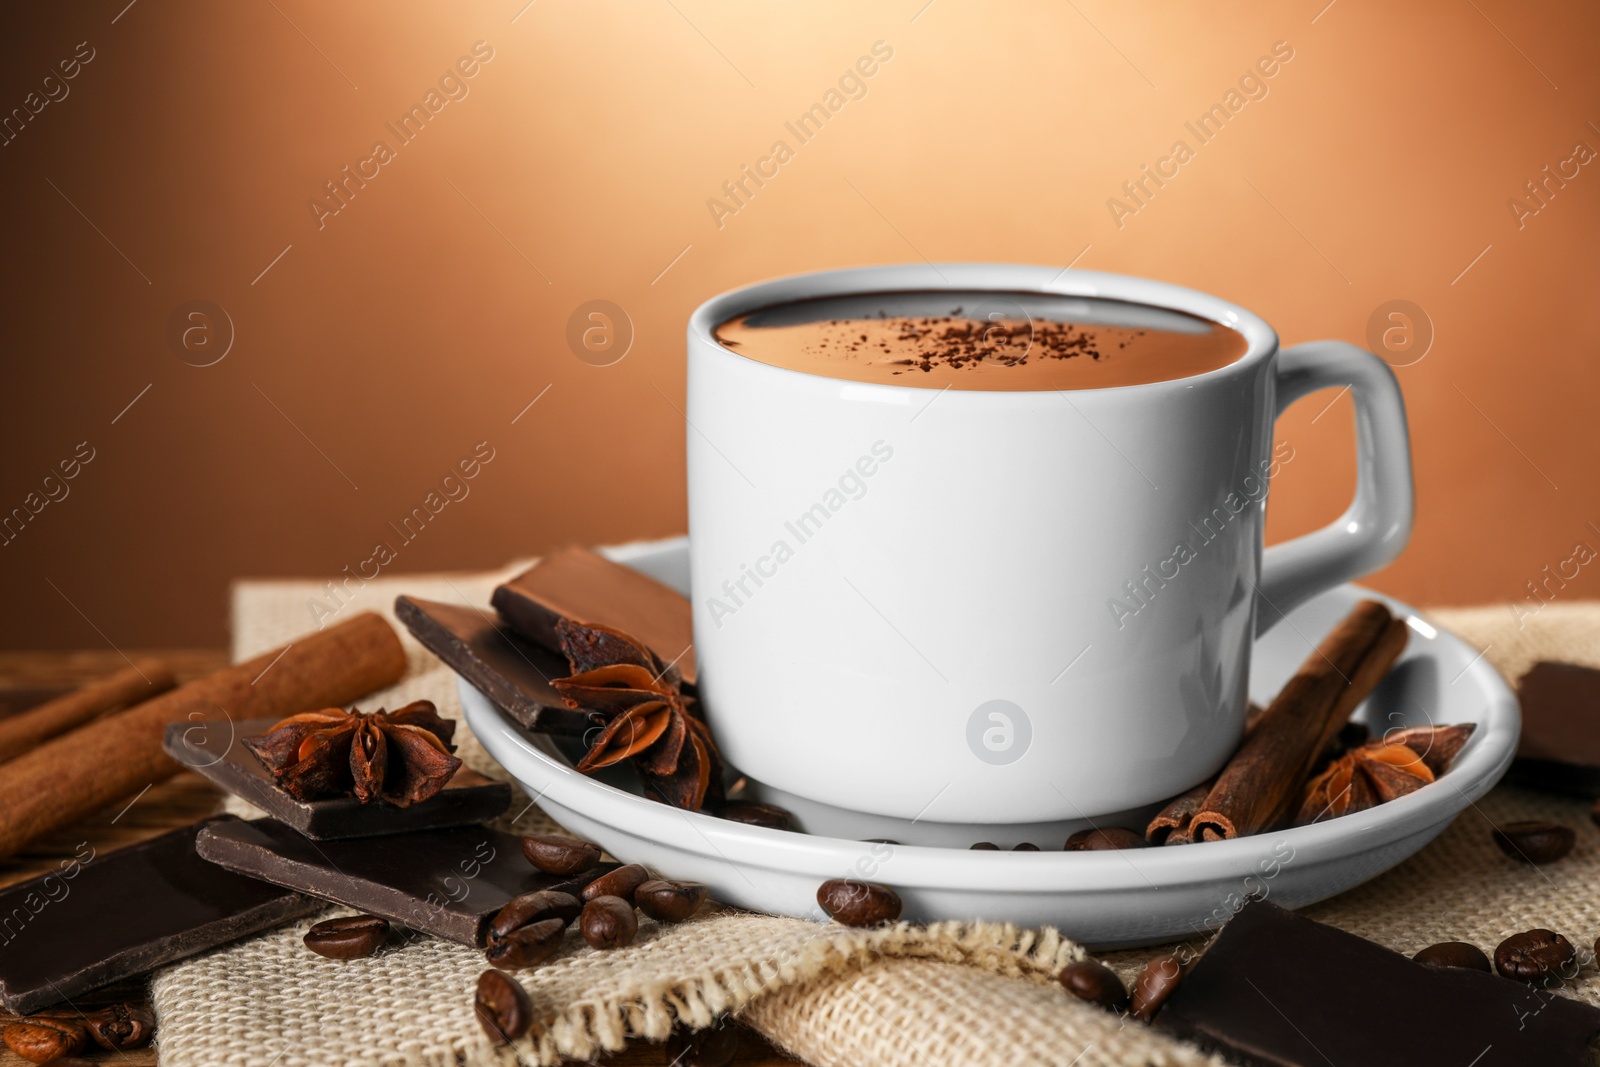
<point>103,918</point>
<point>444,882</point>
<point>212,749</point>
<point>1560,747</point>
<point>1275,989</point>
<point>576,583</point>
<point>510,670</point>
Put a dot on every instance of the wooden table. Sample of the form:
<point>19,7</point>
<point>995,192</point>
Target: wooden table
<point>26,678</point>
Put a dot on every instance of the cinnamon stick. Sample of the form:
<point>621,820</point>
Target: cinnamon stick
<point>1257,787</point>
<point>139,681</point>
<point>81,772</point>
<point>1172,825</point>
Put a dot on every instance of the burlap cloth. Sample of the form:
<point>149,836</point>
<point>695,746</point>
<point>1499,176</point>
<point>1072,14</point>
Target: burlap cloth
<point>947,994</point>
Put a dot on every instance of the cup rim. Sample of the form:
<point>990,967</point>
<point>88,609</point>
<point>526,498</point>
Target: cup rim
<point>1261,340</point>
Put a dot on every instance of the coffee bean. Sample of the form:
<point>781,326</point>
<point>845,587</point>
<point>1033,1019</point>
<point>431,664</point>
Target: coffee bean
<point>526,946</point>
<point>1534,956</point>
<point>1155,984</point>
<point>752,814</point>
<point>349,937</point>
<point>1095,982</point>
<point>670,902</point>
<point>1455,954</point>
<point>985,846</point>
<point>715,1046</point>
<point>573,884</point>
<point>1025,846</point>
<point>1109,837</point>
<point>560,855</point>
<point>502,1007</point>
<point>859,903</point>
<point>41,1040</point>
<point>621,882</point>
<point>121,1026</point>
<point>534,907</point>
<point>608,922</point>
<point>1534,841</point>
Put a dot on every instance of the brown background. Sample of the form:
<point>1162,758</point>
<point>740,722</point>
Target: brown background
<point>427,314</point>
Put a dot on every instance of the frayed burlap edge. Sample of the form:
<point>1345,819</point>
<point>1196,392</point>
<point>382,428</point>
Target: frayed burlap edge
<point>651,1009</point>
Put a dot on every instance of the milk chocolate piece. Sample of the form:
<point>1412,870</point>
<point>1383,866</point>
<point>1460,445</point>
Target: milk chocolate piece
<point>1278,990</point>
<point>444,882</point>
<point>510,670</point>
<point>113,916</point>
<point>212,750</point>
<point>1560,747</point>
<point>576,583</point>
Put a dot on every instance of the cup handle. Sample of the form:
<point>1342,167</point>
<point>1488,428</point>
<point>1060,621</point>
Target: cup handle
<point>1374,528</point>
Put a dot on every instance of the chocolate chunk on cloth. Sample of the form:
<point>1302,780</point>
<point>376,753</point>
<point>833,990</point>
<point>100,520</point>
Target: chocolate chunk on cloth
<point>448,882</point>
<point>1559,751</point>
<point>104,917</point>
<point>510,670</point>
<point>211,749</point>
<point>1276,989</point>
<point>578,584</point>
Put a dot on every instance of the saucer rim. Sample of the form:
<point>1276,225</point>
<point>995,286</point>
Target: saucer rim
<point>1487,755</point>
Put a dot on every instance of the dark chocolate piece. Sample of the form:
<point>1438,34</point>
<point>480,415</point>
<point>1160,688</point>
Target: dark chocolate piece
<point>444,882</point>
<point>1559,751</point>
<point>212,750</point>
<point>511,671</point>
<point>103,918</point>
<point>1275,989</point>
<point>578,584</point>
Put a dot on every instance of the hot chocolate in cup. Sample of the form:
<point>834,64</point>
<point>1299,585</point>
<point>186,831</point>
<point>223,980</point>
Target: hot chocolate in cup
<point>977,340</point>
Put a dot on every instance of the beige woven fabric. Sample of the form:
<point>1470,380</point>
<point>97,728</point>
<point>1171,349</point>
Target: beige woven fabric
<point>945,994</point>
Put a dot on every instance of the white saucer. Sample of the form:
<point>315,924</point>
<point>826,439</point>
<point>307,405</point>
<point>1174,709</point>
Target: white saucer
<point>1101,899</point>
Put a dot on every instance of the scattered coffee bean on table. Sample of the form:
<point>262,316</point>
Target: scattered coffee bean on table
<point>1455,954</point>
<point>670,902</point>
<point>753,814</point>
<point>1534,840</point>
<point>1025,846</point>
<point>560,855</point>
<point>1155,984</point>
<point>534,907</point>
<point>526,946</point>
<point>1093,981</point>
<point>1536,956</point>
<point>121,1026</point>
<point>1110,837</point>
<point>715,1046</point>
<point>855,903</point>
<point>502,1007</point>
<point>349,937</point>
<point>608,922</point>
<point>41,1040</point>
<point>621,882</point>
<point>985,846</point>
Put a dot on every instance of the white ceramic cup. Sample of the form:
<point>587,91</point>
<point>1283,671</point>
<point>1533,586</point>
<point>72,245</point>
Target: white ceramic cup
<point>979,607</point>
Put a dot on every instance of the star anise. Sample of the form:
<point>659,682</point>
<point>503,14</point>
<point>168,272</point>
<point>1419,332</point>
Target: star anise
<point>641,712</point>
<point>1400,762</point>
<point>1437,746</point>
<point>401,757</point>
